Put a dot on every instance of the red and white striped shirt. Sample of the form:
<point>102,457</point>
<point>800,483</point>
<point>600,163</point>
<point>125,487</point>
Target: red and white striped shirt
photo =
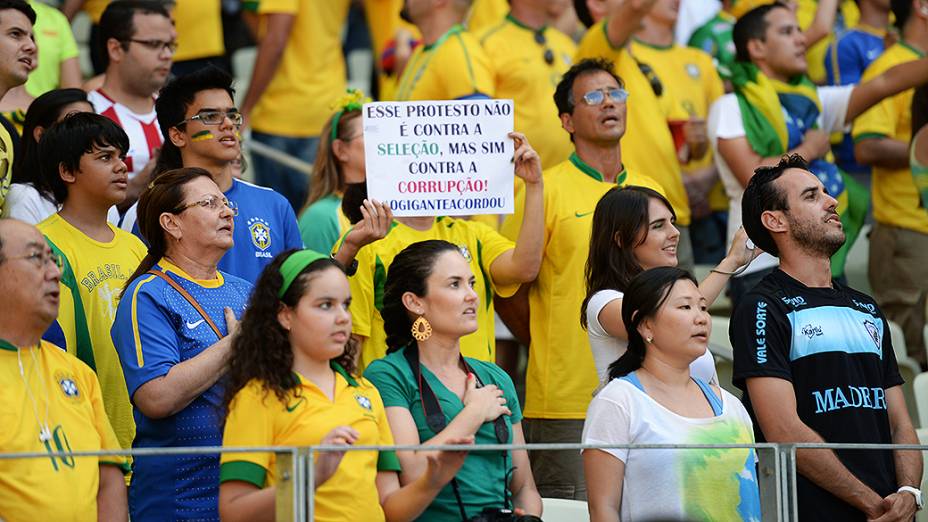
<point>143,131</point>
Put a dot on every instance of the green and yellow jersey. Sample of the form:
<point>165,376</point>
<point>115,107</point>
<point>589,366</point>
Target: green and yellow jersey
<point>561,376</point>
<point>479,244</point>
<point>896,200</point>
<point>258,418</point>
<point>64,394</point>
<point>91,283</point>
<point>529,64</point>
<point>453,67</point>
<point>647,145</point>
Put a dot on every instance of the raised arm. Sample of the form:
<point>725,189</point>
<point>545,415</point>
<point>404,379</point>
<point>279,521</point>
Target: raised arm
<point>774,402</point>
<point>895,80</point>
<point>624,19</point>
<point>270,51</point>
<point>521,264</point>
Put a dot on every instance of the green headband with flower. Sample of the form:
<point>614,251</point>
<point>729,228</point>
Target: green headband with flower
<point>352,100</point>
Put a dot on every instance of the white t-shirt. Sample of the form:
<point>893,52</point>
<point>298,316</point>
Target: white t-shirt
<point>725,123</point>
<point>692,15</point>
<point>606,348</point>
<point>25,203</point>
<point>676,484</point>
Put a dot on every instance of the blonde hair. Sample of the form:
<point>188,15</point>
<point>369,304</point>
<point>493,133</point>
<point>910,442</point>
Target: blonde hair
<point>327,170</point>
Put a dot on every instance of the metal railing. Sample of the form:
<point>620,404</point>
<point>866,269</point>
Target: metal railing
<point>295,466</point>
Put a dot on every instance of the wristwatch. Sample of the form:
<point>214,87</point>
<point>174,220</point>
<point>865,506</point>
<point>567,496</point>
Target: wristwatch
<point>917,493</point>
<point>352,268</point>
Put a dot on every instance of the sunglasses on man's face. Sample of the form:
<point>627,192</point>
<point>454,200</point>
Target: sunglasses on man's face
<point>597,97</point>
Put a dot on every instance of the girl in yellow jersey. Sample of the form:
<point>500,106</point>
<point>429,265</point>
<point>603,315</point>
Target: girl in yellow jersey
<point>291,383</point>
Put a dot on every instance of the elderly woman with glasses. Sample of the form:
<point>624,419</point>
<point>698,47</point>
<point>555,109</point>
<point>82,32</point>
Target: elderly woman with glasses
<point>172,332</point>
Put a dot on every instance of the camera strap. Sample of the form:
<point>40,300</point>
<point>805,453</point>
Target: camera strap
<point>436,421</point>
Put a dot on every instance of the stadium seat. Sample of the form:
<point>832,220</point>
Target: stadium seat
<point>562,510</point>
<point>908,368</point>
<point>720,346</point>
<point>920,390</point>
<point>855,268</point>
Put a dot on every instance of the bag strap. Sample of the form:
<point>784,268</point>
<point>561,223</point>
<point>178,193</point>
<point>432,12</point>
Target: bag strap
<point>186,295</point>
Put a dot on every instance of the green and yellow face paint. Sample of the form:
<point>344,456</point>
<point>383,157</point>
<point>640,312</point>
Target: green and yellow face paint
<point>203,135</point>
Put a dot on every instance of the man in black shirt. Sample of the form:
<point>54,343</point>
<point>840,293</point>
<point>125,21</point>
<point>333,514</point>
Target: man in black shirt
<point>815,360</point>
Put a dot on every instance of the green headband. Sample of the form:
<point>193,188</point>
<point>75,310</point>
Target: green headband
<point>294,265</point>
<point>353,100</point>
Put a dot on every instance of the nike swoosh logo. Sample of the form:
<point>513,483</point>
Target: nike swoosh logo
<point>191,326</point>
<point>291,408</point>
<point>582,214</point>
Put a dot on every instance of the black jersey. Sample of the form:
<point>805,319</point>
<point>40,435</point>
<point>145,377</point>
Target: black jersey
<point>833,345</point>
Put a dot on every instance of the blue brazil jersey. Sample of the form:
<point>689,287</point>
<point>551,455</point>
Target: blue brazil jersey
<point>155,329</point>
<point>833,345</point>
<point>264,227</point>
<point>845,62</point>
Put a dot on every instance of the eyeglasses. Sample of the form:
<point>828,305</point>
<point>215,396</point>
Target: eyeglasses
<point>548,53</point>
<point>212,203</point>
<point>156,45</point>
<point>39,259</point>
<point>215,117</point>
<point>597,97</point>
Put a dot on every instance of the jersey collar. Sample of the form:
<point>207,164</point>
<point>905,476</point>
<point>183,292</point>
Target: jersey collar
<point>517,23</point>
<point>338,369</point>
<point>7,345</point>
<point>595,174</point>
<point>455,29</point>
<point>168,266</point>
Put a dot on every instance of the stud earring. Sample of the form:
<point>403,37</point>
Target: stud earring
<point>649,339</point>
<point>421,329</point>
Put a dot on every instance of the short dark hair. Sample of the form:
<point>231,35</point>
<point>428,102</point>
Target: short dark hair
<point>752,26</point>
<point>902,11</point>
<point>65,142</point>
<point>762,195</point>
<point>117,21</point>
<point>19,5</point>
<point>564,93</point>
<point>173,101</point>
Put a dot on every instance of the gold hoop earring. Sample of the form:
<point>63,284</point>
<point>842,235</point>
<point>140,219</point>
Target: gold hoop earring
<point>421,329</point>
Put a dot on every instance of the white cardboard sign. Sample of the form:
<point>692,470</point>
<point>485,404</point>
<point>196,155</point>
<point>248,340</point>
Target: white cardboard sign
<point>440,158</point>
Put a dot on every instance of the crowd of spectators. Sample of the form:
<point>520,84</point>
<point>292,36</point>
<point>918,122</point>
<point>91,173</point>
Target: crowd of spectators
<point>166,287</point>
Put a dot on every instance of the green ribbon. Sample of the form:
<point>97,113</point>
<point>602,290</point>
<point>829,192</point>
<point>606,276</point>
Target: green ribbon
<point>295,264</point>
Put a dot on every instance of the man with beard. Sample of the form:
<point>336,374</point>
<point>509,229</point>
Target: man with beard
<point>139,39</point>
<point>815,360</point>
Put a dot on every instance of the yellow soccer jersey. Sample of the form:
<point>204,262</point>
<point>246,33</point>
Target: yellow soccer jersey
<point>528,73</point>
<point>90,293</point>
<point>199,29</point>
<point>6,163</point>
<point>51,488</point>
<point>479,243</point>
<point>485,13</point>
<point>561,376</point>
<point>453,67</point>
<point>95,9</point>
<point>259,418</point>
<point>311,74</point>
<point>647,145</point>
<point>691,84</point>
<point>895,197</point>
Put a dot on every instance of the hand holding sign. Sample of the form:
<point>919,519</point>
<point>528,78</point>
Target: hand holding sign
<point>527,161</point>
<point>443,158</point>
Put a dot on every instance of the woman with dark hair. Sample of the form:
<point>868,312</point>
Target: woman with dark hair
<point>30,199</point>
<point>433,394</point>
<point>173,334</point>
<point>339,163</point>
<point>292,383</point>
<point>633,231</point>
<point>652,398</point>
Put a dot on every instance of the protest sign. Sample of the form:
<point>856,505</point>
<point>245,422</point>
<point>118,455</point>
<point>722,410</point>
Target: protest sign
<point>440,158</point>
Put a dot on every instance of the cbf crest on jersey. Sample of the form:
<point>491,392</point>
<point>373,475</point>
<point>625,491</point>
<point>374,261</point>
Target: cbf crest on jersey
<point>260,232</point>
<point>67,385</point>
<point>465,252</point>
<point>363,401</point>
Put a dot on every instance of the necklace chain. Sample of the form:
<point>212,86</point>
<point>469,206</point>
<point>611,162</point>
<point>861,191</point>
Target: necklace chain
<point>44,431</point>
